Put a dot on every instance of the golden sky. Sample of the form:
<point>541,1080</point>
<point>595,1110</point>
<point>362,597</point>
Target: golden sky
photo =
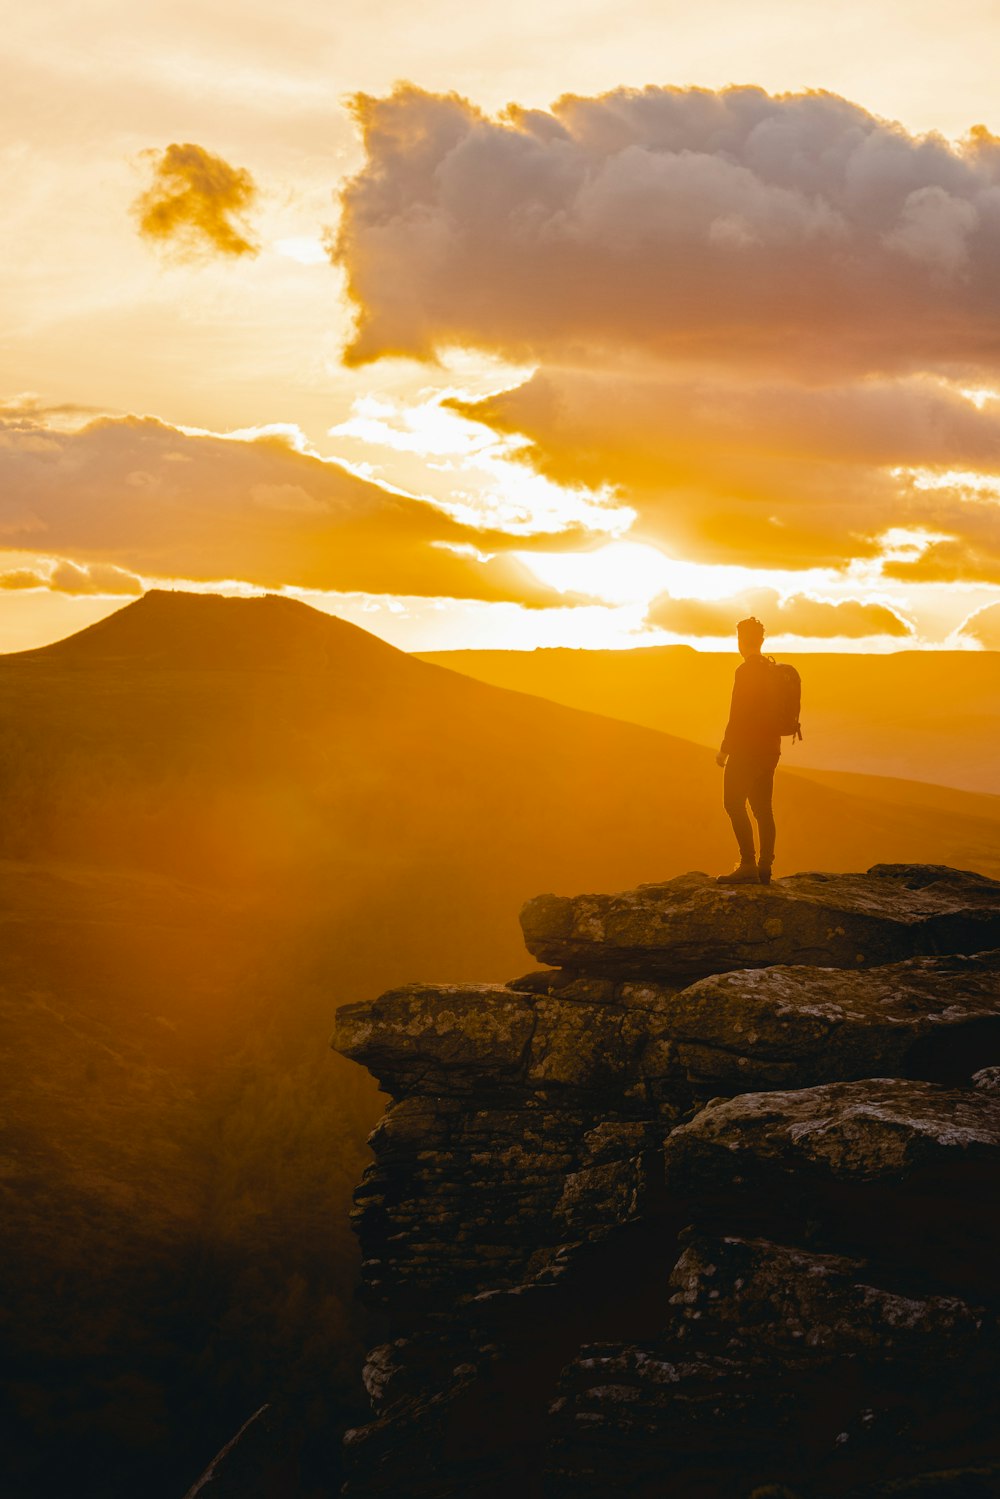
<point>538,324</point>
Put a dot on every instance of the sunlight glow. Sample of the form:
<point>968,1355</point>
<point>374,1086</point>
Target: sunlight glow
<point>905,543</point>
<point>477,476</point>
<point>979,397</point>
<point>628,572</point>
<point>973,483</point>
<point>303,248</point>
<point>290,433</point>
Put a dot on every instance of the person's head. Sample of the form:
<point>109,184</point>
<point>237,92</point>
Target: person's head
<point>750,637</point>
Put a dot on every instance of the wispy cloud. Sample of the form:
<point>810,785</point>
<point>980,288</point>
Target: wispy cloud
<point>63,576</point>
<point>133,497</point>
<point>983,627</point>
<point>795,614</point>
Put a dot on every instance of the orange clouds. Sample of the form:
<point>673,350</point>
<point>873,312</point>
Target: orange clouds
<point>953,561</point>
<point>765,473</point>
<point>753,315</point>
<point>197,201</point>
<point>796,615</point>
<point>984,627</point>
<point>731,228</point>
<point>21,577</point>
<point>136,494</point>
<point>99,577</point>
<point>69,577</point>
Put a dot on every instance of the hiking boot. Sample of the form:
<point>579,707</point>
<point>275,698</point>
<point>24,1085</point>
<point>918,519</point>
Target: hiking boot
<point>764,873</point>
<point>743,874</point>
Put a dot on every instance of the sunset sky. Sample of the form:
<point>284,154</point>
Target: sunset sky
<point>534,324</point>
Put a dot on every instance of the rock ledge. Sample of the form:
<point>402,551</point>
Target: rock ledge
<point>714,1197</point>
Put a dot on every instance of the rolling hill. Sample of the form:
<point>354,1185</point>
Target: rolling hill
<point>223,818</point>
<point>921,715</point>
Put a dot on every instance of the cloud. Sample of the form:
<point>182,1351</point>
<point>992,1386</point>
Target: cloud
<point>984,626</point>
<point>134,496</point>
<point>99,577</point>
<point>797,614</point>
<point>22,577</point>
<point>64,576</point>
<point>755,319</point>
<point>197,201</point>
<point>794,232</point>
<point>949,561</point>
<point>760,472</point>
<point>29,410</point>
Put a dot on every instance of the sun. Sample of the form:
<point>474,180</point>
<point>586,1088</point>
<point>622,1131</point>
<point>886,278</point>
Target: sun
<point>633,572</point>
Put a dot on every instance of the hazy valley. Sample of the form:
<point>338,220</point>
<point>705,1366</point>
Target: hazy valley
<point>917,715</point>
<point>224,818</point>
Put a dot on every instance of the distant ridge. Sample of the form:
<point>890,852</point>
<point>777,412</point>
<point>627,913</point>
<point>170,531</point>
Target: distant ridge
<point>914,715</point>
<point>201,733</point>
<point>206,631</point>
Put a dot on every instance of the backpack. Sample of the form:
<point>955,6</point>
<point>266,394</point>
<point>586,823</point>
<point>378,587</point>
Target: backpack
<point>786,699</point>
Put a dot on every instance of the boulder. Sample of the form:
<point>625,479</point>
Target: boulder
<point>900,1171</point>
<point>479,1039</point>
<point>875,1130</point>
<point>692,926</point>
<point>741,1295</point>
<point>935,1018</point>
<point>648,1043</point>
<point>443,1035</point>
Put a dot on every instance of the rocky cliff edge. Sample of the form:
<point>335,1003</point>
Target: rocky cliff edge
<point>709,1208</point>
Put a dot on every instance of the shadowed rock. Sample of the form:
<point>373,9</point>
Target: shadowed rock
<point>460,1039</point>
<point>437,1034</point>
<point>744,1294</point>
<point>936,1018</point>
<point>869,1131</point>
<point>692,926</point>
<point>773,1362</point>
<point>903,1172</point>
<point>646,1043</point>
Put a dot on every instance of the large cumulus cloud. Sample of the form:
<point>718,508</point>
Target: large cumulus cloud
<point>764,321</point>
<point>131,496</point>
<point>796,231</point>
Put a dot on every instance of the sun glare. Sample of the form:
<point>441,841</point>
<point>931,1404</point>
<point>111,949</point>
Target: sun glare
<point>477,476</point>
<point>636,572</point>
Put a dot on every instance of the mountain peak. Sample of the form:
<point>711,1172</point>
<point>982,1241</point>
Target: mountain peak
<point>209,631</point>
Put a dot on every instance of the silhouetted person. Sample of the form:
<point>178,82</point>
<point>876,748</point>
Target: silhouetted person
<point>750,751</point>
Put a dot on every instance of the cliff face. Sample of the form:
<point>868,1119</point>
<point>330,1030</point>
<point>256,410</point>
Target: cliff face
<point>710,1206</point>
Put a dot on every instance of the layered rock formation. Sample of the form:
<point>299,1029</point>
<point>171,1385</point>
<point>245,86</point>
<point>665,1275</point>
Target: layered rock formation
<point>710,1207</point>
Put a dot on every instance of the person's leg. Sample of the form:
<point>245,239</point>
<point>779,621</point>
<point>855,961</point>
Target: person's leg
<point>760,790</point>
<point>736,789</point>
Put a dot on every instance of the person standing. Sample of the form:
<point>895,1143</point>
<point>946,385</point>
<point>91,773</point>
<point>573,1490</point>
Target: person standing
<point>750,750</point>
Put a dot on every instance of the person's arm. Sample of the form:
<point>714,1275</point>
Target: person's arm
<point>734,702</point>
